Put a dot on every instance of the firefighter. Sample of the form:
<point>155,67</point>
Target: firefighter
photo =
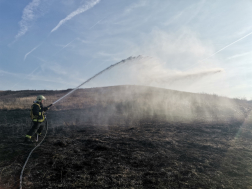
<point>38,118</point>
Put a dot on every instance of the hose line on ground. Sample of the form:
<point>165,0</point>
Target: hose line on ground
<point>21,175</point>
<point>108,68</point>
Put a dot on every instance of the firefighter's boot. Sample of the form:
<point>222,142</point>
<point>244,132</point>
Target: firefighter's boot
<point>28,140</point>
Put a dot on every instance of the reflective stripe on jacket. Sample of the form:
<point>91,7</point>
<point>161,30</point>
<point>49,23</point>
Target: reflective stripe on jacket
<point>37,112</point>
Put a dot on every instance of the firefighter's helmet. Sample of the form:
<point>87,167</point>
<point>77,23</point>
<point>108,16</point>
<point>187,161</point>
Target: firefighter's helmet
<point>40,98</point>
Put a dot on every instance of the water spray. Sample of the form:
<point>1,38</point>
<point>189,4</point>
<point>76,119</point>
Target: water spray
<point>108,68</point>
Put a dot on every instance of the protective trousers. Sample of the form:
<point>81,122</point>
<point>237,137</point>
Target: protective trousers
<point>36,128</point>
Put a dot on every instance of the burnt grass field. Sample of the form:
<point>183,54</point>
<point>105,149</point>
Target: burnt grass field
<point>133,147</point>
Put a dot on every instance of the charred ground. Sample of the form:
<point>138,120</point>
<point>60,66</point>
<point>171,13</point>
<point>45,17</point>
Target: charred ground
<point>136,142</point>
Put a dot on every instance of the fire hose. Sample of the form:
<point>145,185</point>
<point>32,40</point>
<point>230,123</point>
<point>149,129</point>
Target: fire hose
<point>21,175</point>
<point>108,68</point>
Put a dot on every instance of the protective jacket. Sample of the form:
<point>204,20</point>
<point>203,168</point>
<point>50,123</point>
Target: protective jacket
<point>37,112</point>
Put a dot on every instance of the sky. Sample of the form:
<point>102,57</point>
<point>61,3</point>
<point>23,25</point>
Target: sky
<point>58,44</point>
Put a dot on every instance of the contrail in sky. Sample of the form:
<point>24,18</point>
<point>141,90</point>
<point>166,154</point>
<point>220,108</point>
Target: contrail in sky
<point>40,59</point>
<point>27,17</point>
<point>97,23</point>
<point>64,46</point>
<point>31,51</point>
<point>80,10</point>
<point>24,78</point>
<point>229,45</point>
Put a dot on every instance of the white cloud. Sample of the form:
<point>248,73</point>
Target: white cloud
<point>27,17</point>
<point>174,19</point>
<point>51,80</point>
<point>135,6</point>
<point>186,15</point>
<point>244,31</point>
<point>80,10</point>
<point>2,72</point>
<point>179,49</point>
<point>83,41</point>
<point>24,77</point>
<point>57,69</point>
<point>239,55</point>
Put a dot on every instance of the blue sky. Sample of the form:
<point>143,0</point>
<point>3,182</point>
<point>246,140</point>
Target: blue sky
<point>58,44</point>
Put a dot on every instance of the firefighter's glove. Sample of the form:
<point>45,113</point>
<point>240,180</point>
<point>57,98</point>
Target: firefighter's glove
<point>48,107</point>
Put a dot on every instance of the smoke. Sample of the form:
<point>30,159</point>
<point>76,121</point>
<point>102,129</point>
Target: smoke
<point>128,104</point>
